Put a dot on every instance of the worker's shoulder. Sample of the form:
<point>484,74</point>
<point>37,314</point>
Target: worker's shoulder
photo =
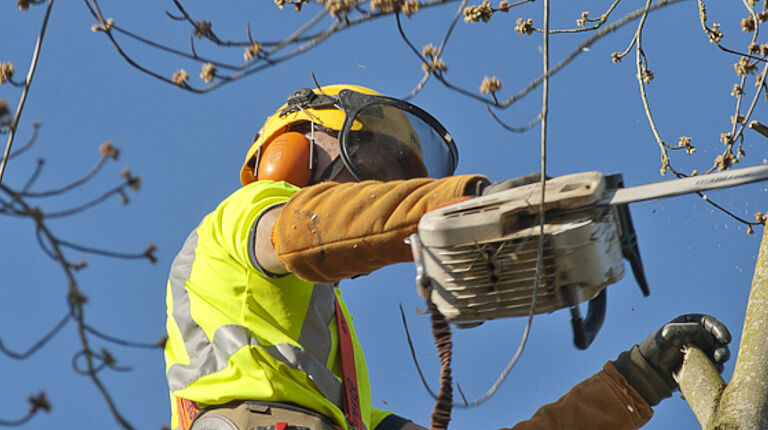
<point>261,191</point>
<point>250,201</point>
<point>234,216</point>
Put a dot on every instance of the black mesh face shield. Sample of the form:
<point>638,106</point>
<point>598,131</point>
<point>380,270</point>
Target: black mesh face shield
<point>383,138</point>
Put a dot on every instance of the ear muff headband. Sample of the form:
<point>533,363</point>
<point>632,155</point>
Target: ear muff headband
<point>286,158</point>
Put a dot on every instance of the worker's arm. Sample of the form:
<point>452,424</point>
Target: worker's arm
<point>448,188</point>
<point>620,396</point>
<point>331,231</point>
<point>605,401</point>
<point>263,249</point>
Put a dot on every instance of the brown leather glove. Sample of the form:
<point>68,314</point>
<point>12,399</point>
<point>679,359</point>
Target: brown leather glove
<point>331,231</point>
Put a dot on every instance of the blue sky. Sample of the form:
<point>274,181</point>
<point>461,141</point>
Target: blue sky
<point>188,149</point>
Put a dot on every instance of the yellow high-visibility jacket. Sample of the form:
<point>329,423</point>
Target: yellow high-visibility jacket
<point>236,332</point>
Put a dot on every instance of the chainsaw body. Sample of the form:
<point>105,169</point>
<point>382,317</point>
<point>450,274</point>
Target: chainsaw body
<point>478,258</point>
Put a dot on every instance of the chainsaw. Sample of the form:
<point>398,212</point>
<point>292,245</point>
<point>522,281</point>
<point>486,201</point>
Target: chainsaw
<point>477,260</point>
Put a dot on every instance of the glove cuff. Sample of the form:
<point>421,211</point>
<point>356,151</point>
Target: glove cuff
<point>643,378</point>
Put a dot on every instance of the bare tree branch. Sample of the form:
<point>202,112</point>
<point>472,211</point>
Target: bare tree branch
<point>27,85</point>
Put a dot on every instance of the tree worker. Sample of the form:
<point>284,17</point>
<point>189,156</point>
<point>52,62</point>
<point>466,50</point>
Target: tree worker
<point>258,336</point>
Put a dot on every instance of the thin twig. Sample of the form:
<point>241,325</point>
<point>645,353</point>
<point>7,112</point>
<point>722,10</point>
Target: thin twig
<point>711,35</point>
<point>413,354</point>
<point>307,42</point>
<point>726,211</point>
<point>540,249</point>
<point>642,70</point>
<point>440,49</point>
<point>567,60</point>
<point>583,47</point>
<point>31,141</point>
<point>507,127</point>
<point>122,342</point>
<point>71,186</point>
<point>43,245</point>
<point>600,21</point>
<point>105,362</point>
<point>39,344</point>
<point>33,177</point>
<point>542,218</point>
<point>88,205</point>
<point>27,85</point>
<point>760,128</point>
<point>102,252</point>
<point>19,422</point>
<point>76,307</point>
<point>751,108</point>
<point>174,51</point>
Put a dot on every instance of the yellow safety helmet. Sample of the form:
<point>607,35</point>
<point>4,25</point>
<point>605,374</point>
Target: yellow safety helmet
<point>373,132</point>
<point>279,123</point>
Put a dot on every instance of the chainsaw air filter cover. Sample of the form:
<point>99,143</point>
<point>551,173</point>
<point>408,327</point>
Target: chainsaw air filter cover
<point>480,255</point>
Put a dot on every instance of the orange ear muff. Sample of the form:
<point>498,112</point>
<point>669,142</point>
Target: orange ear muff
<point>286,158</point>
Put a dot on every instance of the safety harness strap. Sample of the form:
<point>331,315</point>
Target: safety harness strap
<point>348,373</point>
<point>187,410</point>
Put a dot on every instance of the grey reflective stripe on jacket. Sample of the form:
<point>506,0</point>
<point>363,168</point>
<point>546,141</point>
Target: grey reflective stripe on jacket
<point>207,357</point>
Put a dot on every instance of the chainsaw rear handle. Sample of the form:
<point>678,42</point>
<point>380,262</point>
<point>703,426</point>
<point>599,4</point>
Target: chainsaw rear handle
<point>584,332</point>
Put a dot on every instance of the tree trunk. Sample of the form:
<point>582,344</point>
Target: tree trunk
<point>742,404</point>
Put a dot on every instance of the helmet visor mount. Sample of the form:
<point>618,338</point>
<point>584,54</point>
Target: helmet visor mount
<point>384,138</point>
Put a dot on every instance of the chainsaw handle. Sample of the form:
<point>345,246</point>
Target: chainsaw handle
<point>584,332</point>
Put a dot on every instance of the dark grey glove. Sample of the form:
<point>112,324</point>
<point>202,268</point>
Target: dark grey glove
<point>650,366</point>
<point>663,349</point>
<point>507,184</point>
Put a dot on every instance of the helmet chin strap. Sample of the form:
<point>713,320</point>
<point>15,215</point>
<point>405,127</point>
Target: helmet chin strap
<point>332,170</point>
